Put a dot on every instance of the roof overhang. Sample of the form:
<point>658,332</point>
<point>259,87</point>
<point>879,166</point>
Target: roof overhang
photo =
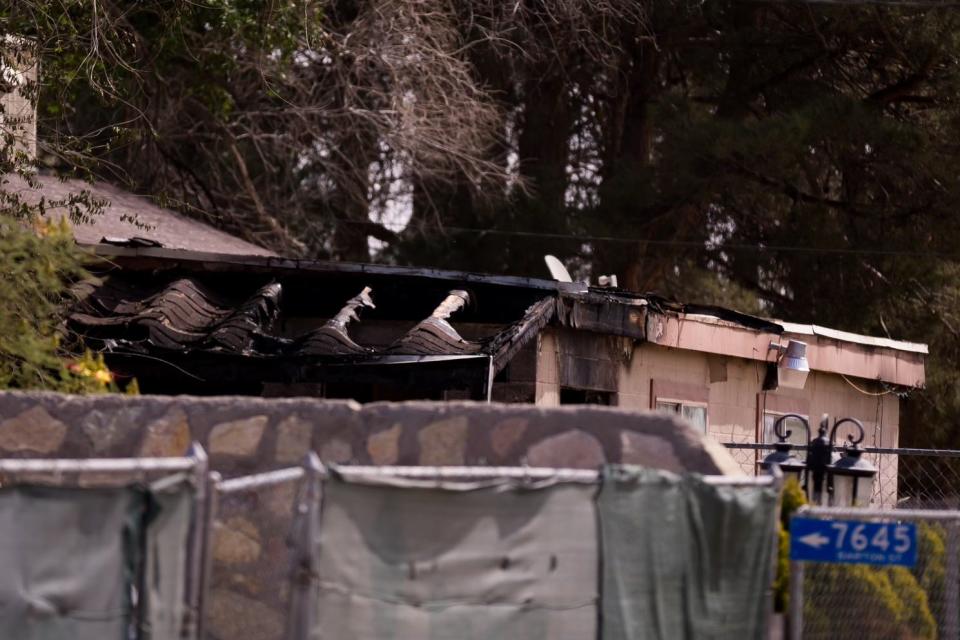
<point>896,363</point>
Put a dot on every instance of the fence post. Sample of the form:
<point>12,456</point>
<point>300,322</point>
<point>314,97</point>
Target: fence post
<point>197,534</point>
<point>796,600</point>
<point>775,560</point>
<point>951,592</point>
<point>305,570</point>
<point>206,568</point>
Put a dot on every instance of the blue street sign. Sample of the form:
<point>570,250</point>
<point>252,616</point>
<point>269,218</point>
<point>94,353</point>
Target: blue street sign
<point>853,541</point>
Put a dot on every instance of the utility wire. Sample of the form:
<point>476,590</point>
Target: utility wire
<point>694,244</point>
<point>864,391</point>
<point>925,4</point>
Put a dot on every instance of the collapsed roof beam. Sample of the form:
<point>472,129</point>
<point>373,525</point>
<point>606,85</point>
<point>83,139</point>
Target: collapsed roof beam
<point>351,311</point>
<point>435,335</point>
<point>332,338</point>
<point>454,301</point>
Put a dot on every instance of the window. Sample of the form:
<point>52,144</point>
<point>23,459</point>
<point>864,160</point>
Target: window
<point>695,414</point>
<point>687,400</point>
<point>798,435</point>
<point>586,396</point>
<point>771,406</point>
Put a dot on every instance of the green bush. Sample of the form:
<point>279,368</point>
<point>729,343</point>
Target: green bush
<point>885,602</point>
<point>791,499</point>
<point>38,263</point>
<point>931,560</point>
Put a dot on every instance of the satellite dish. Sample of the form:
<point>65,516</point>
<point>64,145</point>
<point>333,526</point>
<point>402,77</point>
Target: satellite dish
<point>557,270</point>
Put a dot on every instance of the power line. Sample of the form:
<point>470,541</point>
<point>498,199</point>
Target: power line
<point>922,4</point>
<point>693,244</point>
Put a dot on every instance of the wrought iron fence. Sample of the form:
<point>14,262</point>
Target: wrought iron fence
<point>856,601</point>
<point>906,478</point>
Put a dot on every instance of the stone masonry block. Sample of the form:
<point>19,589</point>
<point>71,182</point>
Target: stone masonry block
<point>573,449</point>
<point>238,437</point>
<point>443,442</point>
<point>32,430</point>
<point>384,446</point>
<point>232,615</point>
<point>167,436</point>
<point>236,541</point>
<point>506,434</point>
<point>293,439</point>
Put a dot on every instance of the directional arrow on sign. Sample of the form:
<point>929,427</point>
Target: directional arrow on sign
<point>815,540</point>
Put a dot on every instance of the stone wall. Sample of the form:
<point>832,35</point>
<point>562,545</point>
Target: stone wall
<point>246,435</point>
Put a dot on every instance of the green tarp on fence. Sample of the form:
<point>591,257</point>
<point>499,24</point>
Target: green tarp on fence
<point>71,560</point>
<point>66,562</point>
<point>683,559</point>
<point>464,562</point>
<point>165,562</point>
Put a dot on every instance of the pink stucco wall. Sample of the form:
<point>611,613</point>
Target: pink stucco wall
<point>732,387</point>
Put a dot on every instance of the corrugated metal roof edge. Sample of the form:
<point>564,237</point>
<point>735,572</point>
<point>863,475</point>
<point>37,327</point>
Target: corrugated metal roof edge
<point>856,338</point>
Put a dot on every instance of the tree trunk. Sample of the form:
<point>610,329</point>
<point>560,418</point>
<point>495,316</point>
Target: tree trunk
<point>544,139</point>
<point>628,135</point>
<point>350,204</point>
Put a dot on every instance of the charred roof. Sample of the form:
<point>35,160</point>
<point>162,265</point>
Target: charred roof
<point>260,308</point>
<point>185,315</point>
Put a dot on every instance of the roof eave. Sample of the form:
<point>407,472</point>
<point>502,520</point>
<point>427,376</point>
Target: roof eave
<point>205,261</point>
<point>900,367</point>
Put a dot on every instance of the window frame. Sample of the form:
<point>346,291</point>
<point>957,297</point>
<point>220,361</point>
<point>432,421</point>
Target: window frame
<point>777,414</point>
<point>683,395</point>
<point>778,405</point>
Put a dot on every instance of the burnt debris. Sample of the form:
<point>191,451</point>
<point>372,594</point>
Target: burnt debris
<point>435,335</point>
<point>332,338</point>
<point>187,317</point>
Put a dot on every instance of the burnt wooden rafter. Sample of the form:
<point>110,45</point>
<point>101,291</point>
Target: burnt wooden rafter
<point>435,335</point>
<point>332,338</point>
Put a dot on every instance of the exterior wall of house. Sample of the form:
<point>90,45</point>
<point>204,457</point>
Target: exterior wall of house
<point>730,387</point>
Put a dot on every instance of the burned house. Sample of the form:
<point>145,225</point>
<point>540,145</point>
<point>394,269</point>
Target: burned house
<point>183,321</point>
<point>186,308</point>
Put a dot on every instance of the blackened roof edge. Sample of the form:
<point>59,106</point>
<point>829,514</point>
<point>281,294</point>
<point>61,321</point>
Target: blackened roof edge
<point>218,262</point>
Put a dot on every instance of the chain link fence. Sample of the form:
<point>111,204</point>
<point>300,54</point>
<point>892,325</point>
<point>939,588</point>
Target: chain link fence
<point>906,478</point>
<point>250,575</point>
<point>248,592</point>
<point>859,601</point>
